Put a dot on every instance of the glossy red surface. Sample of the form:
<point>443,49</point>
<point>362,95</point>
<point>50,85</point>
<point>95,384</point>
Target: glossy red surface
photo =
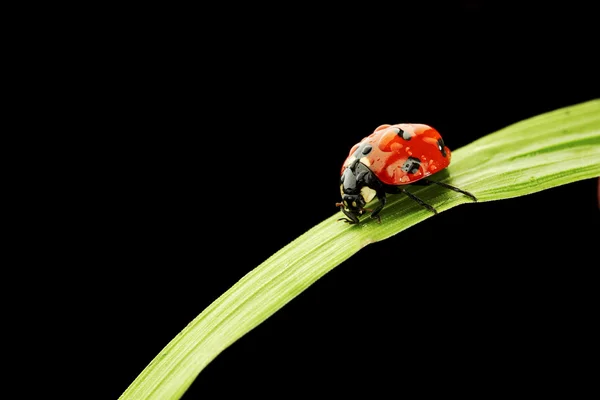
<point>391,150</point>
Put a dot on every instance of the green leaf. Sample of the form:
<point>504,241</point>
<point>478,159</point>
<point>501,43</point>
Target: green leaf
<point>542,152</point>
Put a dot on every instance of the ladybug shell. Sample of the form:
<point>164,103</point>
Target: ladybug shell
<point>401,154</point>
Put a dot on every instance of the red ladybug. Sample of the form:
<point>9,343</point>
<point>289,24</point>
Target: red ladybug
<point>388,160</point>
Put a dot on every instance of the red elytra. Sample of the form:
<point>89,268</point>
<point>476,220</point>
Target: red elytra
<point>394,145</point>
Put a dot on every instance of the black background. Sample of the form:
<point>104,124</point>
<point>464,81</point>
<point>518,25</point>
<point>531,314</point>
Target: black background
<point>221,142</point>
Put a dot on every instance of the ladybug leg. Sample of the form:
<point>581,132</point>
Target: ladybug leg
<point>418,200</point>
<point>427,182</point>
<point>382,201</point>
<point>352,219</point>
<point>400,189</point>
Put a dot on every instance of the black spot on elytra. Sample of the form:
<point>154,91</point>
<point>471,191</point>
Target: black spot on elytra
<point>363,150</point>
<point>404,135</point>
<point>442,146</point>
<point>411,165</point>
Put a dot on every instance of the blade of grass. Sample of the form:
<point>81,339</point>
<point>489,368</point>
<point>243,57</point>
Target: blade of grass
<point>539,153</point>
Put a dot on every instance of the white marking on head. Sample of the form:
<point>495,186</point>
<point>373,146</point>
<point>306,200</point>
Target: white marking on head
<point>367,193</point>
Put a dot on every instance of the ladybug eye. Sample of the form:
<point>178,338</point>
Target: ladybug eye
<point>442,146</point>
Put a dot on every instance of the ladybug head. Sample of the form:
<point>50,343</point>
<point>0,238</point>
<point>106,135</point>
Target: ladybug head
<point>355,192</point>
<point>352,206</point>
<point>354,203</point>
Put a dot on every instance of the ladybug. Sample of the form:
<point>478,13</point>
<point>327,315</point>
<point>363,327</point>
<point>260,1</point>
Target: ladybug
<point>387,161</point>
